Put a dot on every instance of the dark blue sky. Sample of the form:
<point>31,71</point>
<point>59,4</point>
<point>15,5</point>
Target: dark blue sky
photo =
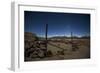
<point>61,24</point>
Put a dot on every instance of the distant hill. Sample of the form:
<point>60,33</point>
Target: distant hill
<point>65,37</point>
<point>58,37</point>
<point>86,37</point>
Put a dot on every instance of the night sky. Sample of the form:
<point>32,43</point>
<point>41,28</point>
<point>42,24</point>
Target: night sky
<point>59,24</point>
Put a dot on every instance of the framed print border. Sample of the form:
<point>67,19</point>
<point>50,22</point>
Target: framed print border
<point>17,36</point>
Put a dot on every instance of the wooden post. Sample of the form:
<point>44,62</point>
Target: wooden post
<point>74,46</point>
<point>71,37</point>
<point>72,40</point>
<point>46,37</point>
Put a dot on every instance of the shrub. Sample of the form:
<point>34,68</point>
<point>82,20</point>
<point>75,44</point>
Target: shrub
<point>49,53</point>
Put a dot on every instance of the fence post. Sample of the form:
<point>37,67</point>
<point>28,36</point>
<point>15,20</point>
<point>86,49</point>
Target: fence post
<point>72,40</point>
<point>46,36</point>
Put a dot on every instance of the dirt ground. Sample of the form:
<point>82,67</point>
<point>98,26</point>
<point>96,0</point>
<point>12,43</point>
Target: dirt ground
<point>60,50</point>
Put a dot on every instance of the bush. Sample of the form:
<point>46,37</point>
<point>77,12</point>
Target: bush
<point>49,53</point>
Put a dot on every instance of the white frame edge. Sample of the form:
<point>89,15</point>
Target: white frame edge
<point>14,37</point>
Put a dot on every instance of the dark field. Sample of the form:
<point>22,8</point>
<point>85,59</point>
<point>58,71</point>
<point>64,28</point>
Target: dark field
<point>36,49</point>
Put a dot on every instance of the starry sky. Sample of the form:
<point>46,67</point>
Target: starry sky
<point>59,24</point>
